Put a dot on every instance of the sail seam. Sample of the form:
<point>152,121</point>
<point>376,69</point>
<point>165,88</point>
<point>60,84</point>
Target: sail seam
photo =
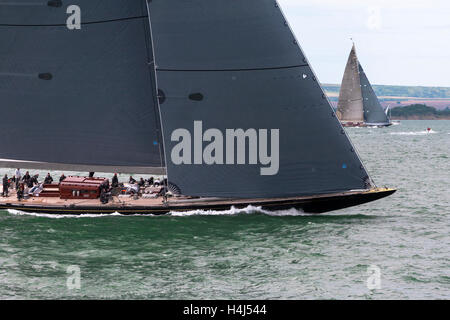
<point>64,25</point>
<point>225,70</point>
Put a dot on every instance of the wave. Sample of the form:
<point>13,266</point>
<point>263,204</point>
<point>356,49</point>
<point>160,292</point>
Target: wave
<point>415,133</point>
<point>231,212</point>
<point>234,211</point>
<point>61,216</point>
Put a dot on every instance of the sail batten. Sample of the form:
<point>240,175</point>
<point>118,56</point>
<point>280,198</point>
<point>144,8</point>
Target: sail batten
<point>220,70</point>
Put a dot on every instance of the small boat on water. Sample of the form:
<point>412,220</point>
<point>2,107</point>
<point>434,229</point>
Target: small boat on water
<point>218,98</point>
<point>358,104</point>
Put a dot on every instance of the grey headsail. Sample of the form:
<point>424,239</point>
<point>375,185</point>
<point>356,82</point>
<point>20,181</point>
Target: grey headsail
<point>350,105</point>
<point>373,111</point>
<point>81,99</point>
<point>243,113</point>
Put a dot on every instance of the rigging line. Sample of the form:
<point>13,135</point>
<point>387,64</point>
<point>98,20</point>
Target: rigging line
<point>64,25</point>
<point>231,70</point>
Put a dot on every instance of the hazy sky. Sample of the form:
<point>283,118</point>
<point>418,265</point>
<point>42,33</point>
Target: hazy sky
<point>399,42</point>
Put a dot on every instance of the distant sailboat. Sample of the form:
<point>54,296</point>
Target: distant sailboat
<point>358,104</point>
<point>218,97</point>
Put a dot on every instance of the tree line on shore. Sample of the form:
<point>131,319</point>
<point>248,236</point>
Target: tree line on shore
<point>419,111</point>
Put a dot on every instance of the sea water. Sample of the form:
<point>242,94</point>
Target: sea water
<point>395,248</point>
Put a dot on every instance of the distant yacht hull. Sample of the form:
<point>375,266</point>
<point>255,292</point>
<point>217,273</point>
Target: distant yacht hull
<point>312,204</point>
<point>349,124</point>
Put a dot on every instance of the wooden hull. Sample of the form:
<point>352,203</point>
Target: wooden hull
<point>313,204</point>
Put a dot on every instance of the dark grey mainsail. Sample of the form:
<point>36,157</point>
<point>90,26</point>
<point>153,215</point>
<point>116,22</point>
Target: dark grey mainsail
<point>374,113</point>
<point>224,66</point>
<point>350,105</point>
<point>78,99</point>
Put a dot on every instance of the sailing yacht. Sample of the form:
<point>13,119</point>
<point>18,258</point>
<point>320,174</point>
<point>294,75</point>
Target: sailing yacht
<point>358,104</point>
<point>217,97</point>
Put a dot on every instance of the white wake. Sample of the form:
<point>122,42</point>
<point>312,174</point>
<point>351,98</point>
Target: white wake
<point>234,211</point>
<point>415,133</point>
<point>60,216</point>
<point>231,212</point>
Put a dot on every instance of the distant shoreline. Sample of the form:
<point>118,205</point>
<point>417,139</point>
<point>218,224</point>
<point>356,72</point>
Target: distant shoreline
<point>401,96</point>
<point>419,112</point>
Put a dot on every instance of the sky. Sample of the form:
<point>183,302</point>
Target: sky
<point>399,42</point>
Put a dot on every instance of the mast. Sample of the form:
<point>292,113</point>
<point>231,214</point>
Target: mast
<point>157,98</point>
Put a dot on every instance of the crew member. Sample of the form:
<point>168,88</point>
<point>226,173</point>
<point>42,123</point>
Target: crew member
<point>26,177</point>
<point>20,191</point>
<point>48,179</point>
<point>107,185</point>
<point>115,181</point>
<point>34,180</point>
<point>18,176</point>
<point>62,178</point>
<point>132,181</point>
<point>5,186</point>
<point>104,190</point>
<point>141,182</point>
<point>30,182</point>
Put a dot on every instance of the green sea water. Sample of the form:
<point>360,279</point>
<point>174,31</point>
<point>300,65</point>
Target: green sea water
<point>250,254</point>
